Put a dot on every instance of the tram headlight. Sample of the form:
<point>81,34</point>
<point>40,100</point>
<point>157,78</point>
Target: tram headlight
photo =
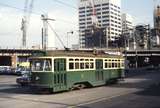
<point>37,78</point>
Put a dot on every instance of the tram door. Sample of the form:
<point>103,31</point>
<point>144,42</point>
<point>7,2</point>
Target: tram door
<point>99,70</point>
<point>60,74</point>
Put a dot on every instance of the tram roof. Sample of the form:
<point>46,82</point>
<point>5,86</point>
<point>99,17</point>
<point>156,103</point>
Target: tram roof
<point>77,53</point>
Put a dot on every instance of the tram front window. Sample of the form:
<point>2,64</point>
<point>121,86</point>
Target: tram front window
<point>41,65</point>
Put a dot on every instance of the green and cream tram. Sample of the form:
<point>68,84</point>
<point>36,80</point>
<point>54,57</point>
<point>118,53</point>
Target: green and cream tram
<point>60,73</point>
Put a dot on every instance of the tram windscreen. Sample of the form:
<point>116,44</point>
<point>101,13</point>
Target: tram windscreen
<point>41,65</point>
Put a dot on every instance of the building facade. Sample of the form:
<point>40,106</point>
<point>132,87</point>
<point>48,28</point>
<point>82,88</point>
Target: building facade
<point>157,17</point>
<point>156,37</point>
<point>96,39</point>
<point>109,16</point>
<point>127,24</point>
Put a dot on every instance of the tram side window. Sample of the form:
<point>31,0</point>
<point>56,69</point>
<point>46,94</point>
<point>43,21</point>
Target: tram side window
<point>106,65</point>
<point>110,65</point>
<point>116,65</point>
<point>119,64</point>
<point>81,65</point>
<point>76,65</point>
<point>87,65</point>
<point>71,65</point>
<point>113,65</point>
<point>91,66</point>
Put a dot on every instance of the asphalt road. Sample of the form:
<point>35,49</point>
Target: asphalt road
<point>137,91</point>
<point>147,98</point>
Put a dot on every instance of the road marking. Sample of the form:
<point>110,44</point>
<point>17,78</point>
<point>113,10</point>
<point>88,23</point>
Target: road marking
<point>72,106</point>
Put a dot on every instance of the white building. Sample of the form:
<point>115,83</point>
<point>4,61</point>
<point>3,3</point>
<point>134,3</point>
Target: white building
<point>108,14</point>
<point>127,23</point>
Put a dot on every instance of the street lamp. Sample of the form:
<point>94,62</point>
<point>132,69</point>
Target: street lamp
<point>71,32</point>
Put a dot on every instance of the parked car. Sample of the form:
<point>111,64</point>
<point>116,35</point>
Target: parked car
<point>24,80</point>
<point>21,71</point>
<point>5,69</point>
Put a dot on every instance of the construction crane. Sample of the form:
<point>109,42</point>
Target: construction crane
<point>26,19</point>
<point>95,22</point>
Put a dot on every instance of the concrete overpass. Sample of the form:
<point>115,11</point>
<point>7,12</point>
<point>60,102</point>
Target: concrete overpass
<point>141,58</point>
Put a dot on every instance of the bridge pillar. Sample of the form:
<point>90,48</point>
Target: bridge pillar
<point>14,61</point>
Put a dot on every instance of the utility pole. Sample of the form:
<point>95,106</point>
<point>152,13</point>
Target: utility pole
<point>107,38</point>
<point>45,31</point>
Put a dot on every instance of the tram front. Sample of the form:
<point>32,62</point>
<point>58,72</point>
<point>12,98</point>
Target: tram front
<point>42,72</point>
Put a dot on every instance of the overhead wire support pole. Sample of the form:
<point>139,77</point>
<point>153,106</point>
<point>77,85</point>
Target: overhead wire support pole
<point>45,31</point>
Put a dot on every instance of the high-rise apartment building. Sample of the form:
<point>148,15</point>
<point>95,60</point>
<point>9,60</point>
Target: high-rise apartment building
<point>127,24</point>
<point>157,25</point>
<point>109,16</point>
<point>157,17</point>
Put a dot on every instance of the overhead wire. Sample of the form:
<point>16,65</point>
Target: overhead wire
<point>13,7</point>
<point>56,35</point>
<point>35,13</point>
<point>66,4</point>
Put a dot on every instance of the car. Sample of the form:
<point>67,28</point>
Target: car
<point>5,69</point>
<point>21,71</point>
<point>24,80</point>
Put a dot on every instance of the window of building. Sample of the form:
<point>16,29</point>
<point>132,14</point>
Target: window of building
<point>81,8</point>
<point>106,16</point>
<point>81,23</point>
<point>105,20</point>
<point>88,18</point>
<point>81,19</point>
<point>98,13</point>
<point>115,6</point>
<point>97,5</point>
<point>112,24</point>
<point>105,25</point>
<point>105,4</point>
<point>98,9</point>
<point>81,12</point>
<point>105,8</point>
<point>111,4</point>
<point>106,12</point>
<point>89,14</point>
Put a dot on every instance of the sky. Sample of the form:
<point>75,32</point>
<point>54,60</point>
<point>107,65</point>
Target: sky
<point>66,20</point>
